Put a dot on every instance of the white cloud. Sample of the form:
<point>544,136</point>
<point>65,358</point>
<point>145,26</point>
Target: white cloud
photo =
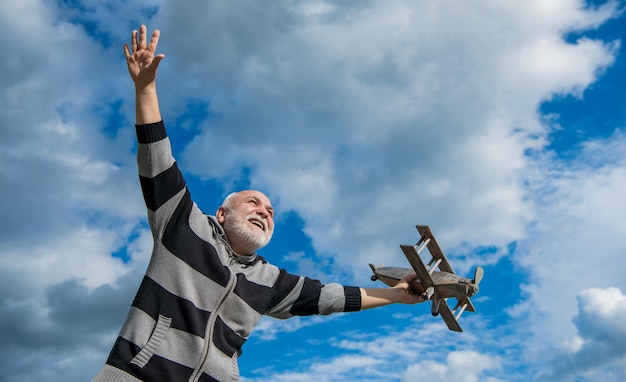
<point>56,164</point>
<point>578,234</point>
<point>365,119</point>
<point>462,366</point>
<point>69,195</point>
<point>396,351</point>
<point>411,113</point>
<point>600,316</point>
<point>600,340</point>
<point>84,254</point>
<point>268,328</point>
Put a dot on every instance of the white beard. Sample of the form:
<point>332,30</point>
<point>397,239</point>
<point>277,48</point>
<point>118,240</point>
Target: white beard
<point>248,240</point>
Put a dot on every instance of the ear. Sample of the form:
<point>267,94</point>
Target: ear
<point>221,215</point>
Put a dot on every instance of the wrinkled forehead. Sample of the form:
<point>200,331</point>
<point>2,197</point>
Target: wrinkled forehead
<point>242,196</point>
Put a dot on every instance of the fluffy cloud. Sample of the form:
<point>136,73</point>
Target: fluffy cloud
<point>268,328</point>
<point>67,206</point>
<point>601,339</point>
<point>581,224</point>
<point>69,328</point>
<point>56,165</point>
<point>427,122</point>
<point>464,366</point>
<point>364,118</point>
<point>403,349</point>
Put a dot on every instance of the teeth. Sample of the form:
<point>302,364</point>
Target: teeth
<point>257,223</point>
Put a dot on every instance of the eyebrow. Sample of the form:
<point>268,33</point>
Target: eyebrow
<point>260,202</point>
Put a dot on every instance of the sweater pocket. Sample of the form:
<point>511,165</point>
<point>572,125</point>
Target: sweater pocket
<point>144,355</point>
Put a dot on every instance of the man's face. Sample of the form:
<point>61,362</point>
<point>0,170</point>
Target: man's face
<point>247,221</point>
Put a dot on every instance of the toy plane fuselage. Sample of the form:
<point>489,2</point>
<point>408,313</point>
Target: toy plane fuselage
<point>435,285</point>
<point>448,284</point>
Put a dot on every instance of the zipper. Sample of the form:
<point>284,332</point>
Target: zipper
<point>195,376</point>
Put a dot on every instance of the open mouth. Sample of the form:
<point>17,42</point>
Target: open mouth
<point>257,223</point>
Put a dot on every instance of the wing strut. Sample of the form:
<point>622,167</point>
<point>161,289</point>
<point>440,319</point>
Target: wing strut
<point>459,309</point>
<point>424,273</point>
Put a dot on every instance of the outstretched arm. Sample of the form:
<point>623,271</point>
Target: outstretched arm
<point>142,67</point>
<point>401,293</point>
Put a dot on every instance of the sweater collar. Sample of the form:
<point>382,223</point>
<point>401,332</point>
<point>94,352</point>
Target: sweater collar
<point>219,232</point>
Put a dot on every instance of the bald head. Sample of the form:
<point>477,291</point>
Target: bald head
<point>236,197</point>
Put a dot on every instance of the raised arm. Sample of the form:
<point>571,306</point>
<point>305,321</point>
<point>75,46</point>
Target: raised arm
<point>142,67</point>
<point>161,180</point>
<point>401,293</point>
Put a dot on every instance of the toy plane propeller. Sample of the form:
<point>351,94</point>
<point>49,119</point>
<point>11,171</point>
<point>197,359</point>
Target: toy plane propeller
<point>436,286</point>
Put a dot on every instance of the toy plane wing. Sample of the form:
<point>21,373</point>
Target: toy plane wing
<point>435,285</point>
<point>440,305</point>
<point>448,317</point>
<point>418,265</point>
<point>427,237</point>
<point>424,273</point>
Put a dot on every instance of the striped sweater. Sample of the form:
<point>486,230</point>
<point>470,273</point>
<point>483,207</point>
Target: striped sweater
<point>199,301</point>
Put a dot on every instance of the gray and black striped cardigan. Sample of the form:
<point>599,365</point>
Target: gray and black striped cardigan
<point>199,301</point>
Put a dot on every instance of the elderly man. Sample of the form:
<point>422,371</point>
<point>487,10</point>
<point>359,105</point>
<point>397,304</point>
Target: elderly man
<point>205,287</point>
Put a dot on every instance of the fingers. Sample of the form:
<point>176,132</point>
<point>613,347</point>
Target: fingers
<point>141,43</point>
<point>154,41</point>
<point>134,40</point>
<point>409,278</point>
<point>413,298</point>
<point>142,38</point>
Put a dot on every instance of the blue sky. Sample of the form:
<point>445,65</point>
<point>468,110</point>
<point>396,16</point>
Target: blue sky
<point>498,124</point>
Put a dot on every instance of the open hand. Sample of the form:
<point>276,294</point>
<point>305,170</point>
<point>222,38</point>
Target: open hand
<point>142,62</point>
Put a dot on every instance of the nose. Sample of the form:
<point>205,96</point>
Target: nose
<point>265,215</point>
<point>263,212</point>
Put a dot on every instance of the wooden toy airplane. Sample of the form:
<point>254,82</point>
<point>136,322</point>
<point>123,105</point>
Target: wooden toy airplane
<point>436,286</point>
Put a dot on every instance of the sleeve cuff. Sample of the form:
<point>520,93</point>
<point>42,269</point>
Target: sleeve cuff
<point>353,298</point>
<point>151,132</point>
